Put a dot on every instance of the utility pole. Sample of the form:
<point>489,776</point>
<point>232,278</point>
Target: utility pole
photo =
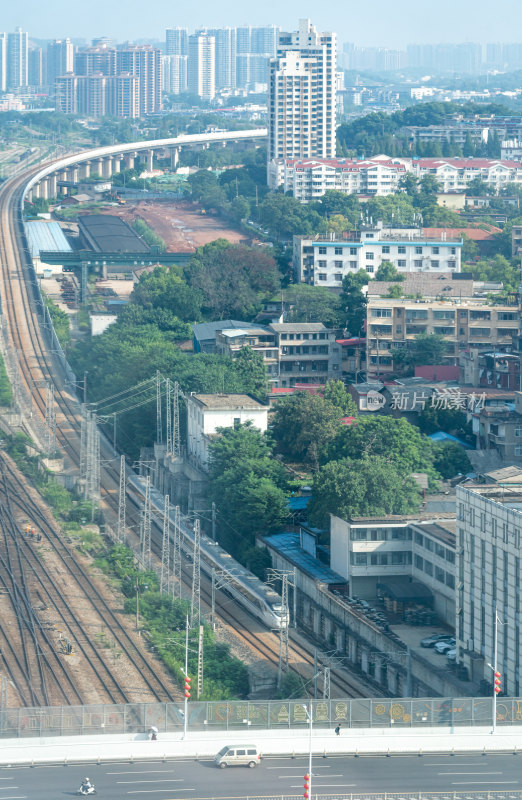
<point>176,555</point>
<point>283,631</point>
<point>195,602</point>
<point>165,548</point>
<point>326,683</point>
<point>122,511</point>
<point>213,521</point>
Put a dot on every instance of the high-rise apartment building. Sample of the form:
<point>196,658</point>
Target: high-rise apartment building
<point>176,42</point>
<point>145,62</point>
<point>225,55</point>
<point>202,66</point>
<point>3,62</point>
<point>174,74</point>
<point>124,95</point>
<point>257,40</point>
<point>60,59</point>
<point>17,59</point>
<point>35,67</point>
<point>98,60</point>
<point>252,71</point>
<point>302,95</point>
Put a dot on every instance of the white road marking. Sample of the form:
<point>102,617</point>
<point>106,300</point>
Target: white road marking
<point>152,791</point>
<point>166,780</point>
<point>292,767</point>
<point>139,772</point>
<point>470,773</point>
<point>326,785</point>
<point>493,783</point>
<point>286,777</point>
<point>453,763</point>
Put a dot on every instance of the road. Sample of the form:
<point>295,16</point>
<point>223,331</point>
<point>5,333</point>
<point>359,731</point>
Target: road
<point>273,777</point>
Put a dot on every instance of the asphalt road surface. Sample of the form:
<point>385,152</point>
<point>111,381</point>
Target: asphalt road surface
<point>182,780</point>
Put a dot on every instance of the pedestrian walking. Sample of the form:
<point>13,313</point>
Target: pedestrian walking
<point>338,729</point>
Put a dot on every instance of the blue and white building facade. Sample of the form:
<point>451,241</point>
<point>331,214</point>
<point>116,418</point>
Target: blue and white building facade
<point>326,260</point>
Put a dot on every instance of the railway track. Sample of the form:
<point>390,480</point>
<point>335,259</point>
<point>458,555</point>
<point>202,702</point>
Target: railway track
<point>38,366</point>
<point>10,491</point>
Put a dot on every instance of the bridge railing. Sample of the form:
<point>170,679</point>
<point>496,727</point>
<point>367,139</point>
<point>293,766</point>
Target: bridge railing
<point>259,715</point>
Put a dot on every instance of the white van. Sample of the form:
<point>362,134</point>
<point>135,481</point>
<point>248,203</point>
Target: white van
<point>238,755</point>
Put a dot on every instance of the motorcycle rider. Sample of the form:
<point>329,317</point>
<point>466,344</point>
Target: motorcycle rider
<point>86,786</point>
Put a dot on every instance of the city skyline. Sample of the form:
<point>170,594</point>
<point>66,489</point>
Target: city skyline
<point>444,24</point>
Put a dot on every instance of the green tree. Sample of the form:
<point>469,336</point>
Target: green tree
<point>428,348</point>
<point>312,304</point>
<point>395,291</point>
<point>251,369</point>
<point>353,302</point>
<point>304,424</point>
<point>451,459</point>
<point>409,183</point>
<point>392,438</point>
<point>362,487</point>
<point>164,288</point>
<point>239,209</point>
<point>233,280</point>
<point>233,448</point>
<point>162,318</point>
<point>450,420</point>
<point>468,148</point>
<point>429,185</point>
<point>469,249</point>
<point>284,216</point>
<point>387,271</point>
<point>336,394</point>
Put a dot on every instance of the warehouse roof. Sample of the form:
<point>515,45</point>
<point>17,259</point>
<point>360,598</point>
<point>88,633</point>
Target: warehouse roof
<point>46,236</point>
<point>105,233</point>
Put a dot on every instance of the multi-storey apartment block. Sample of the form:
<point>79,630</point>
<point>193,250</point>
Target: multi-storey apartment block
<point>393,324</point>
<point>309,179</point>
<point>298,352</point>
<point>324,261</point>
<point>489,525</point>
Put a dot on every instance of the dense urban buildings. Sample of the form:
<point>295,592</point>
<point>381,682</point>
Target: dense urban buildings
<point>302,95</point>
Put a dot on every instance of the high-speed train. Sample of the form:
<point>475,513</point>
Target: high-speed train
<point>251,593</point>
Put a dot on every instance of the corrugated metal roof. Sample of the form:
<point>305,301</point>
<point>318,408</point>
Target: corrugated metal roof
<point>289,546</point>
<point>46,236</point>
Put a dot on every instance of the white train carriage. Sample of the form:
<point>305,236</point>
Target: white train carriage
<point>245,588</point>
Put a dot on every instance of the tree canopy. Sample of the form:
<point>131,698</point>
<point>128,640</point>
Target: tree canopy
<point>362,487</point>
<point>232,280</point>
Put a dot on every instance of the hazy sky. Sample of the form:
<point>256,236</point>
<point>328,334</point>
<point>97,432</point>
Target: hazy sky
<point>380,22</point>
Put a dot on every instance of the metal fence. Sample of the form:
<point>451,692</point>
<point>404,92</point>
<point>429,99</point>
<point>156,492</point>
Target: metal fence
<point>269,714</point>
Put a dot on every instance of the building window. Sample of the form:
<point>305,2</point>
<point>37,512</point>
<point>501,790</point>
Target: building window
<point>353,264</point>
<point>338,276</point>
<point>338,264</point>
<point>321,264</point>
<point>322,251</point>
<point>369,256</point>
<point>401,249</point>
<point>428,567</point>
<point>353,251</point>
<point>418,251</point>
<point>401,262</point>
<point>417,263</point>
<point>518,450</point>
<point>419,562</point>
<point>237,422</point>
<point>518,431</point>
<point>434,264</point>
<point>338,251</point>
<point>435,251</point>
<point>385,248</point>
<point>322,276</point>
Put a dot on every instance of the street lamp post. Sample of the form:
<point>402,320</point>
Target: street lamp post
<point>309,715</point>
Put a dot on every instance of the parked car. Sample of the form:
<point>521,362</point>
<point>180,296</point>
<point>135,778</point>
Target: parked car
<point>431,641</point>
<point>444,647</point>
<point>451,655</point>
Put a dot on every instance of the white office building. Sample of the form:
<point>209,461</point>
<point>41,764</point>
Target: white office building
<point>489,523</point>
<point>202,66</point>
<point>302,95</point>
<point>208,412</point>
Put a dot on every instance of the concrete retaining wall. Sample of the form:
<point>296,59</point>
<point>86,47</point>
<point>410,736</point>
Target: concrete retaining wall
<point>205,745</point>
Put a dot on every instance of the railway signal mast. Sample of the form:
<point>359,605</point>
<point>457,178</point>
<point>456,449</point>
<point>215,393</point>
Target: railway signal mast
<point>176,555</point>
<point>146,527</point>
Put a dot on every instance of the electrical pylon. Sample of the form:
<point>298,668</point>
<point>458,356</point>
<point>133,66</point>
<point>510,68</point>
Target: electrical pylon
<point>122,502</point>
<point>176,555</point>
<point>147,523</point>
<point>168,411</point>
<point>195,601</point>
<point>165,548</point>
<point>176,434</point>
<point>159,422</point>
<point>50,419</point>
